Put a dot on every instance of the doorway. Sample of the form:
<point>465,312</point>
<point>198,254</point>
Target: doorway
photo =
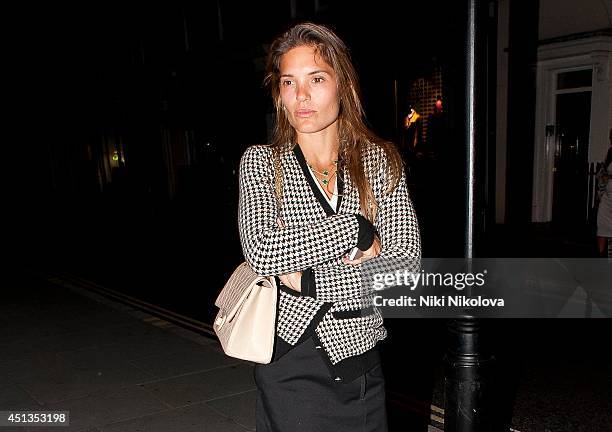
<point>570,172</point>
<point>570,73</point>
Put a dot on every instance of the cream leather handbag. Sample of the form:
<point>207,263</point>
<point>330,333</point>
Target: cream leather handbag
<point>246,321</point>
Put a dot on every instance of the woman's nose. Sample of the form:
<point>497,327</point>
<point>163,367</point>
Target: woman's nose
<point>302,93</point>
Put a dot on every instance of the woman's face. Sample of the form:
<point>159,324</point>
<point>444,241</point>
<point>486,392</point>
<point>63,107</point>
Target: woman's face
<point>309,90</point>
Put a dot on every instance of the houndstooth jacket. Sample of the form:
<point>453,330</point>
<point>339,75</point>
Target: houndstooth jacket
<point>314,239</point>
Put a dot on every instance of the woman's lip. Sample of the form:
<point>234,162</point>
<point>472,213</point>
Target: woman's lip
<point>304,113</point>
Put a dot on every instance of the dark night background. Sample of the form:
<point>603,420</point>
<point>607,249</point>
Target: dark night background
<point>176,89</point>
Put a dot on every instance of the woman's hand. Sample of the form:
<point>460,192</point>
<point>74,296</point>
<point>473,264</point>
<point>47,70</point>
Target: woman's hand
<point>372,252</point>
<point>292,280</point>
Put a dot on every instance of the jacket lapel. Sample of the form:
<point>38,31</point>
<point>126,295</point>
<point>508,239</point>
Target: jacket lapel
<point>297,151</point>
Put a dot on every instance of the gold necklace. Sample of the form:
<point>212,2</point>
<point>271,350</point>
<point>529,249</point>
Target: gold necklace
<point>325,173</point>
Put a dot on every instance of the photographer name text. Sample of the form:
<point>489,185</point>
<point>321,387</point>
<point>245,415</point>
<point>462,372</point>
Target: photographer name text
<point>438,301</point>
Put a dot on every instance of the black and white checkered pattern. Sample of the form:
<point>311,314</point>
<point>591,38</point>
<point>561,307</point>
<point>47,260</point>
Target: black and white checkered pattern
<point>294,315</point>
<point>347,337</point>
<point>311,239</point>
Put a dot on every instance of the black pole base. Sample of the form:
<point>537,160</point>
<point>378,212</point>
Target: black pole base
<point>468,368</point>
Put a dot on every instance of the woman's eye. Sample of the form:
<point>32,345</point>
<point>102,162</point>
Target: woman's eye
<point>318,79</point>
<point>287,82</point>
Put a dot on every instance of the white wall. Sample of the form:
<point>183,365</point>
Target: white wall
<point>565,17</point>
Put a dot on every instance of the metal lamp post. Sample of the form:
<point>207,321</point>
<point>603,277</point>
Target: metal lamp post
<point>466,363</point>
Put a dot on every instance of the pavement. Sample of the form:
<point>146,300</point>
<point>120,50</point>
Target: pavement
<point>113,367</point>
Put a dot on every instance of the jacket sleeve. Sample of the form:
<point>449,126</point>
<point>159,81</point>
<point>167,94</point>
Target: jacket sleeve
<point>399,229</point>
<point>273,250</point>
<point>400,239</point>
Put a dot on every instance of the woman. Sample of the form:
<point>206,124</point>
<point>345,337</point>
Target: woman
<point>324,186</point>
<point>604,210</point>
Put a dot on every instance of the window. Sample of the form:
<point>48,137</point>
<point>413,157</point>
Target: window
<point>574,79</point>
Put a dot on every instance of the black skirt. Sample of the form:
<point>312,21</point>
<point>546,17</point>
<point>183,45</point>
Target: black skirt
<point>297,393</point>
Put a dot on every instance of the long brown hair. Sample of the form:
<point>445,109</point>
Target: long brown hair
<point>354,135</point>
